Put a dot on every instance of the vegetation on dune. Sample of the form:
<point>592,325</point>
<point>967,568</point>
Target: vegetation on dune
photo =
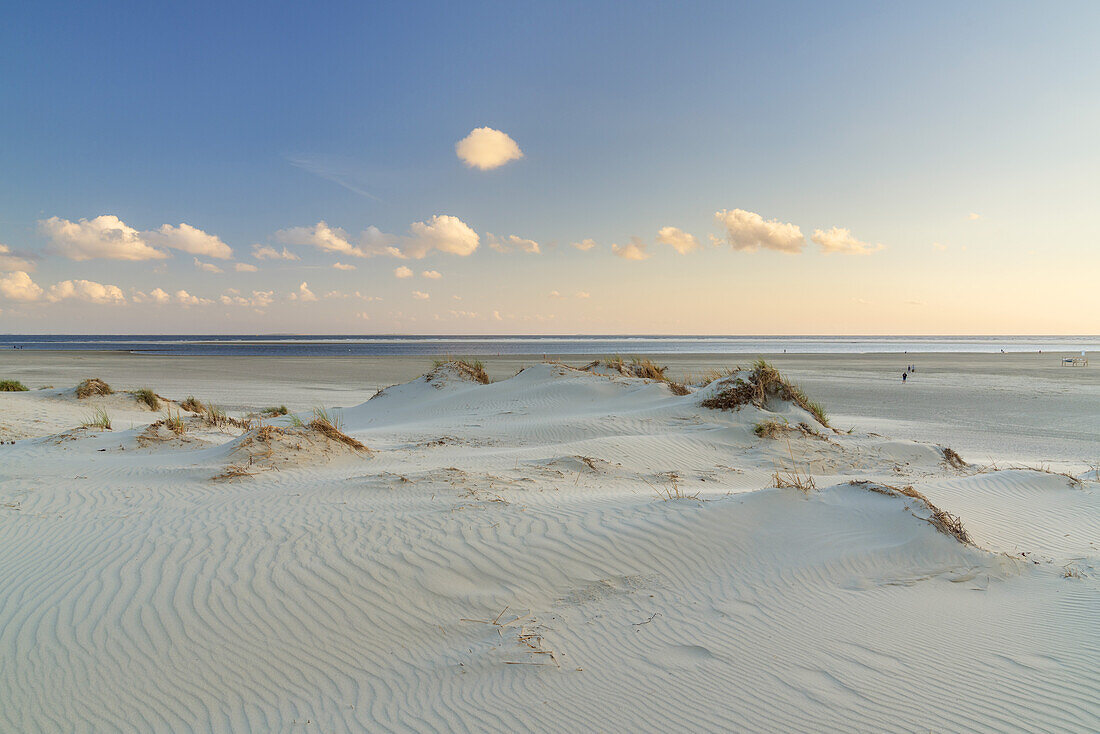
<point>942,520</point>
<point>93,386</point>
<point>12,386</point>
<point>147,396</point>
<point>639,367</point>
<point>763,383</point>
<point>193,405</point>
<point>472,370</point>
<point>98,419</point>
<point>214,416</point>
<point>274,411</point>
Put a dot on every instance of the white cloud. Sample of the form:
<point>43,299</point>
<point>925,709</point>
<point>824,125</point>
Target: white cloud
<point>420,295</point>
<point>585,245</point>
<point>363,315</point>
<point>303,294</point>
<point>555,294</point>
<point>497,316</point>
<point>189,239</point>
<point>635,250</point>
<point>106,237</point>
<point>678,240</point>
<point>507,244</point>
<point>938,246</point>
<point>402,272</point>
<point>245,268</point>
<point>368,299</point>
<point>748,232</point>
<point>207,267</point>
<point>463,314</point>
<point>840,240</point>
<point>431,274</point>
<point>258,299</point>
<point>10,262</point>
<point>86,290</point>
<point>18,286</point>
<point>583,294</point>
<point>334,239</point>
<point>187,299</point>
<point>157,295</point>
<point>263,252</point>
<point>444,233</point>
<point>973,217</point>
<point>343,266</point>
<point>485,148</point>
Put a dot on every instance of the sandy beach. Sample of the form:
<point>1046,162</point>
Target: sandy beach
<point>551,549</point>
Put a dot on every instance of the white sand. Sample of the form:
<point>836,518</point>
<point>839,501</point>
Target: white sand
<point>424,586</point>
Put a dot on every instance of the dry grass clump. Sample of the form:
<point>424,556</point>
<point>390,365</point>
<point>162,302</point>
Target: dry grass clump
<point>193,405</point>
<point>329,425</point>
<point>639,367</point>
<point>98,419</point>
<point>12,386</point>
<point>764,382</point>
<point>274,411</point>
<point>93,386</point>
<point>793,479</point>
<point>471,370</point>
<point>147,396</point>
<point>952,458</point>
<point>771,429</point>
<point>175,423</point>
<point>942,520</point>
<point>214,416</point>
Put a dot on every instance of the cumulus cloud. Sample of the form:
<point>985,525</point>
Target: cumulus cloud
<point>10,262</point>
<point>555,294</point>
<point>245,268</point>
<point>106,237</point>
<point>157,295</point>
<point>187,299</point>
<point>432,274</point>
<point>258,299</point>
<point>939,246</point>
<point>402,272</point>
<point>207,267</point>
<point>18,286</point>
<point>303,294</point>
<point>442,232</point>
<point>343,266</point>
<point>321,236</point>
<point>420,295</point>
<point>636,250</point>
<point>748,232</point>
<point>583,294</point>
<point>507,244</point>
<point>189,239</point>
<point>264,252</point>
<point>485,148</point>
<point>585,245</point>
<point>973,217</point>
<point>86,290</point>
<point>678,240</point>
<point>840,240</point>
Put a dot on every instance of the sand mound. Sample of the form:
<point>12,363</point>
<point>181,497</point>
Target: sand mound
<point>274,448</point>
<point>93,386</point>
<point>459,370</point>
<point>760,386</point>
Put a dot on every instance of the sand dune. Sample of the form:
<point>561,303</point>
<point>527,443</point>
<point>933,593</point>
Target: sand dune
<point>560,550</point>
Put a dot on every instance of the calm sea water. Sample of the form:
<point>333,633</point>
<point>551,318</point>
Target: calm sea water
<point>257,344</point>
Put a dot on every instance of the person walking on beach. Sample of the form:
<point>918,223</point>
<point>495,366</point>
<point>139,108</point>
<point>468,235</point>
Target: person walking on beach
<point>904,375</point>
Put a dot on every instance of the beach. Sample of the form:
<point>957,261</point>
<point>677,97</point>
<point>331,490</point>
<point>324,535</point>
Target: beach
<point>418,546</point>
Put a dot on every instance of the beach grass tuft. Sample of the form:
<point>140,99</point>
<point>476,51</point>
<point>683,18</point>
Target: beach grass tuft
<point>942,520</point>
<point>330,425</point>
<point>98,419</point>
<point>147,396</point>
<point>762,383</point>
<point>192,405</point>
<point>93,386</point>
<point>12,386</point>
<point>274,411</point>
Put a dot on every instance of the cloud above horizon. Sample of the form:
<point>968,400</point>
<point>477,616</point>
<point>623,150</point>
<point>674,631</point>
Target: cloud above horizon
<point>9,261</point>
<point>442,232</point>
<point>635,250</point>
<point>86,290</point>
<point>18,286</point>
<point>105,237</point>
<point>585,245</point>
<point>749,232</point>
<point>511,242</point>
<point>840,240</point>
<point>485,148</point>
<point>264,252</point>
<point>678,240</point>
<point>191,240</point>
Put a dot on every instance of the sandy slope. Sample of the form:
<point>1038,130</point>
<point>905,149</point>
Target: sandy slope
<point>504,559</point>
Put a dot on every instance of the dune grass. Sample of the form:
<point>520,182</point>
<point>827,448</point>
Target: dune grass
<point>942,520</point>
<point>175,423</point>
<point>274,411</point>
<point>763,382</point>
<point>331,425</point>
<point>12,386</point>
<point>192,405</point>
<point>147,396</point>
<point>473,370</point>
<point>98,419</point>
<point>93,386</point>
<point>642,367</point>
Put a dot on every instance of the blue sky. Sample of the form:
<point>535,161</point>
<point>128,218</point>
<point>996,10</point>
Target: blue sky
<point>959,137</point>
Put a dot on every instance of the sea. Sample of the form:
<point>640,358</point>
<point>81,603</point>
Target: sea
<point>333,345</point>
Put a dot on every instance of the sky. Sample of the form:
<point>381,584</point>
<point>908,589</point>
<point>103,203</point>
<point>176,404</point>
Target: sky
<point>559,168</point>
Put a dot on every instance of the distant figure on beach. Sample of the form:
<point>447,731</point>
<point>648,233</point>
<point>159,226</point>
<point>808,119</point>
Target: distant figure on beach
<point>904,375</point>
